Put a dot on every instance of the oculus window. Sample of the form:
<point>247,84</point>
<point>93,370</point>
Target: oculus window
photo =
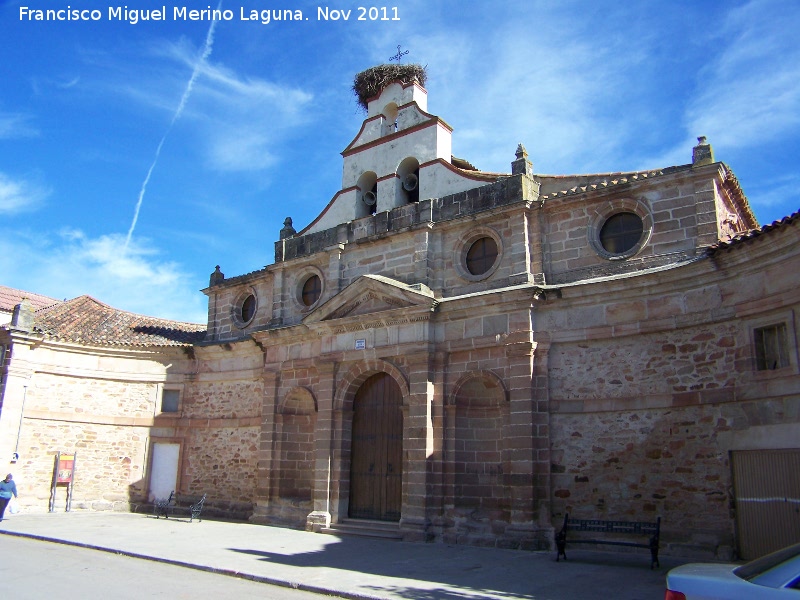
<point>248,308</point>
<point>481,256</point>
<point>311,291</point>
<point>621,232</point>
<point>244,308</point>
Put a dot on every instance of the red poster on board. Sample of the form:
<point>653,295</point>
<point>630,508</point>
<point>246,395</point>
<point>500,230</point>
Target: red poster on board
<point>66,463</point>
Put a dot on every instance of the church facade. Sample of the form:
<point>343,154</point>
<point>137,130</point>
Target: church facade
<point>451,355</point>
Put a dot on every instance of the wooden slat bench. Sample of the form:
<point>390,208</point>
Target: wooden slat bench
<point>627,528</point>
<point>182,504</point>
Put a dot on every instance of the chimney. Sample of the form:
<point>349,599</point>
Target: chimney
<point>702,154</point>
<point>22,317</point>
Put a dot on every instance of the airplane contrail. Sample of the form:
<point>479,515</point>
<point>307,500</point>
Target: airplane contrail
<point>186,93</point>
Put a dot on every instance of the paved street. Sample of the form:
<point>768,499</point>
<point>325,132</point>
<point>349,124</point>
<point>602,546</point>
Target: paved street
<point>33,570</point>
<point>349,567</point>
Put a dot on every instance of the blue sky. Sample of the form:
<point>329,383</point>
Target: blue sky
<point>252,133</point>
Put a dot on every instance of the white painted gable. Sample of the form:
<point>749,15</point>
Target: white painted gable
<point>399,145</point>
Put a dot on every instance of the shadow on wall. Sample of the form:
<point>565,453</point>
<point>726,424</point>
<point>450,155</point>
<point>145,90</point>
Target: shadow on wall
<point>641,465</point>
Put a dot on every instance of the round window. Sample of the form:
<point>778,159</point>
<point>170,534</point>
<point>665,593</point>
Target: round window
<point>312,288</point>
<point>248,309</point>
<point>621,232</point>
<point>481,256</point>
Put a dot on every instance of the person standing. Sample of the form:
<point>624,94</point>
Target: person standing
<point>7,487</point>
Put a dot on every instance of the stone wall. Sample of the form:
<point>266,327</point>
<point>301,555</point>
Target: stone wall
<point>222,462</point>
<point>669,462</point>
<point>292,473</point>
<point>641,464</point>
<point>652,385</point>
<point>479,463</point>
<point>219,425</point>
<point>71,405</point>
<point>225,303</point>
<point>428,242</point>
<point>222,399</point>
<point>105,406</point>
<point>597,373</point>
<point>110,464</point>
<point>679,210</point>
<point>90,398</point>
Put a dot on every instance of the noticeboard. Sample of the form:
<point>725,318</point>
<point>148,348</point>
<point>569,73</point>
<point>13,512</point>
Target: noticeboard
<point>66,466</point>
<point>64,474</point>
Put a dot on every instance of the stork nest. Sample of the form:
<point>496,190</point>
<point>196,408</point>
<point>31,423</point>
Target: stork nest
<point>371,82</point>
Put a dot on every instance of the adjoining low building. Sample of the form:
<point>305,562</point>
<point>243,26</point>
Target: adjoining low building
<point>10,298</point>
<point>81,376</point>
<point>455,355</point>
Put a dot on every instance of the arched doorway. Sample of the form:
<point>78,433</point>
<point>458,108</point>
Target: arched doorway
<point>376,458</point>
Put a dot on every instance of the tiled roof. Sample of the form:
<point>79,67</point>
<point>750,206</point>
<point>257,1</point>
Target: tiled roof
<point>602,181</point>
<point>462,163</point>
<point>10,297</point>
<point>84,320</point>
<point>739,197</point>
<point>237,279</point>
<point>746,236</point>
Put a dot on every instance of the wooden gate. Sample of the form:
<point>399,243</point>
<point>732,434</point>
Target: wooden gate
<point>376,457</point>
<point>767,488</point>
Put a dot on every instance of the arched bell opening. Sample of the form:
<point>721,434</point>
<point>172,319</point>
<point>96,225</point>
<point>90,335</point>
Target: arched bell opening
<point>408,181</point>
<point>389,113</point>
<point>367,195</point>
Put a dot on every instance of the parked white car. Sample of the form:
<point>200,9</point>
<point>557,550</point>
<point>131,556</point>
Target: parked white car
<point>775,576</point>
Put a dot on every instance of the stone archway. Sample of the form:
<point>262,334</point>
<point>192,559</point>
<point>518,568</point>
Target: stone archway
<point>479,495</point>
<point>294,450</point>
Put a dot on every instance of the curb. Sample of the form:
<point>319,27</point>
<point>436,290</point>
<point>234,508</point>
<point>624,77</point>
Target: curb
<point>215,570</point>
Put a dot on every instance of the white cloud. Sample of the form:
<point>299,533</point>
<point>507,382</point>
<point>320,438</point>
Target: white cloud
<point>572,96</point>
<point>16,125</point>
<point>70,83</point>
<point>781,192</point>
<point>239,121</point>
<point>246,120</point>
<point>748,93</point>
<point>70,264</point>
<point>18,195</point>
<point>746,100</point>
<point>241,150</point>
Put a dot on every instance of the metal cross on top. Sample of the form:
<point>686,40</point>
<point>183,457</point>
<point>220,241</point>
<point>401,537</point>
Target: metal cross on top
<point>399,54</point>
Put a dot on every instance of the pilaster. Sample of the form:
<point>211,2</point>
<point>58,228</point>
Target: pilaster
<point>418,447</point>
<point>528,441</point>
<point>19,376</point>
<point>327,460</point>
<point>519,434</point>
<point>266,448</point>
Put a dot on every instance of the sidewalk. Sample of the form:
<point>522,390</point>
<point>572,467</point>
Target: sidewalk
<point>353,567</point>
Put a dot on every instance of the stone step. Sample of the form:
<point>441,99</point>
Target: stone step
<point>363,528</point>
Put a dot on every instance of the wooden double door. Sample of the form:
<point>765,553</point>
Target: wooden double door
<point>376,457</point>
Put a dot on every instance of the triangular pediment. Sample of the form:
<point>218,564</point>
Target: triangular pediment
<point>371,294</point>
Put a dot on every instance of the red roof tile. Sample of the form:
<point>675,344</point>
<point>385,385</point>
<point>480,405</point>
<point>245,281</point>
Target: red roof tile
<point>10,297</point>
<point>84,320</point>
<point>746,236</point>
<point>600,181</point>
